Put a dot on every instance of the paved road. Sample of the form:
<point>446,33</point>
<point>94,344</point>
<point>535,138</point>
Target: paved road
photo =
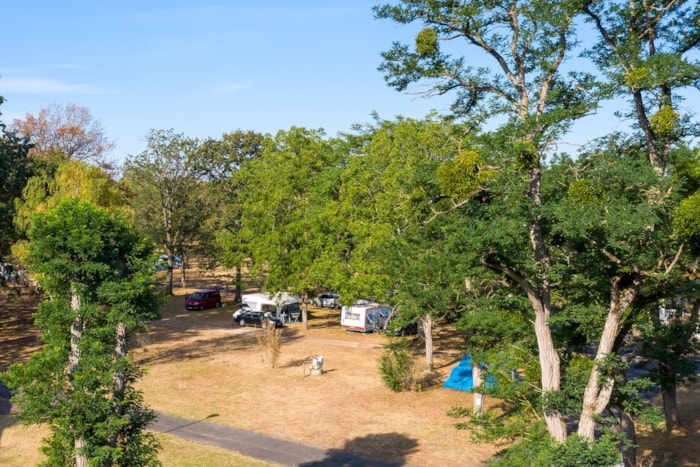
<point>262,447</point>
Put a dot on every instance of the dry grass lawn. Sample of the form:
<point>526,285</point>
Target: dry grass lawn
<point>201,366</point>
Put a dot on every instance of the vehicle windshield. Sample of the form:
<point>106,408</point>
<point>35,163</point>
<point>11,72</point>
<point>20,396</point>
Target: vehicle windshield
<point>198,296</point>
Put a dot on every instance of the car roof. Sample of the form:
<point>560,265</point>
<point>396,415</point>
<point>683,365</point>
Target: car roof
<point>207,290</point>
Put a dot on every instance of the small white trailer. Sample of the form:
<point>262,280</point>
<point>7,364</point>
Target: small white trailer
<point>281,305</point>
<point>368,317</point>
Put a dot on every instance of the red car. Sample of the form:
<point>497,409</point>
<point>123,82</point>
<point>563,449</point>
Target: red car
<point>207,298</point>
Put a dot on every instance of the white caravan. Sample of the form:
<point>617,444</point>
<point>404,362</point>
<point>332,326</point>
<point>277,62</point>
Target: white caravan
<point>281,305</point>
<point>365,317</point>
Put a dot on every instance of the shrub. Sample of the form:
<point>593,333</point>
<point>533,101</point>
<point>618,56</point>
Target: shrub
<point>270,340</point>
<point>397,367</point>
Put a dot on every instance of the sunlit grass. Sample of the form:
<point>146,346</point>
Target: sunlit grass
<point>19,447</point>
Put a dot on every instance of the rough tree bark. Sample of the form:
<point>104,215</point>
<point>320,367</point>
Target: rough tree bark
<point>427,325</point>
<point>118,381</point>
<point>304,309</point>
<point>478,400</point>
<point>600,386</point>
<point>76,335</point>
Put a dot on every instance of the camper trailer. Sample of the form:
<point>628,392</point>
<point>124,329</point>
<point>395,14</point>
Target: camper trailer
<point>281,305</point>
<point>367,317</point>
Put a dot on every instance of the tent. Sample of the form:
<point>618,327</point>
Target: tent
<point>461,376</point>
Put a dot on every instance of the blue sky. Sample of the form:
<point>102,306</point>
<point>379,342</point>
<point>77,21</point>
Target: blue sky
<point>202,68</point>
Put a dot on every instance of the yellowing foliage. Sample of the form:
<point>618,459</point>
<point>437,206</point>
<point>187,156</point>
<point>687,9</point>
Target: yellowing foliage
<point>426,42</point>
<point>665,121</point>
<point>584,191</point>
<point>462,175</point>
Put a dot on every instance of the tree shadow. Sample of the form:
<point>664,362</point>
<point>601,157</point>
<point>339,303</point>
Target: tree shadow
<point>20,338</point>
<point>680,446</point>
<point>198,346</point>
<point>430,380</point>
<point>377,450</point>
<point>7,420</point>
<point>323,317</point>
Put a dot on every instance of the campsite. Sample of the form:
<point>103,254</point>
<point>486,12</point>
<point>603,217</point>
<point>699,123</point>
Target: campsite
<point>200,366</point>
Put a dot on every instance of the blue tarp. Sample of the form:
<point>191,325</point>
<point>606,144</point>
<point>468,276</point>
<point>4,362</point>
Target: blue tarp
<point>461,376</point>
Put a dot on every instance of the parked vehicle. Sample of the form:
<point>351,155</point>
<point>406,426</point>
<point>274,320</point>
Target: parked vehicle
<point>162,263</point>
<point>327,300</point>
<point>283,306</point>
<point>207,298</point>
<point>365,317</point>
<point>12,274</point>
<point>261,319</point>
<point>398,327</point>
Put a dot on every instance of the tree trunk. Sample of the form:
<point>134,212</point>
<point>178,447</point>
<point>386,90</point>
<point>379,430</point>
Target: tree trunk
<point>427,325</point>
<point>671,413</point>
<point>551,377</point>
<point>304,309</point>
<point>629,455</point>
<point>625,425</point>
<point>80,460</point>
<point>599,388</point>
<point>673,417</point>
<point>183,272</point>
<point>118,382</point>
<point>169,244</point>
<point>540,298</point>
<point>239,284</point>
<point>478,401</point>
<point>169,275</point>
<point>76,335</point>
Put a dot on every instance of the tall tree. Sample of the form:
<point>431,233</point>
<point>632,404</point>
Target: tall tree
<point>98,273</point>
<point>219,164</point>
<point>66,130</point>
<point>527,42</point>
<point>15,170</point>
<point>644,51</point>
<point>388,197</point>
<point>164,190</point>
<point>285,191</point>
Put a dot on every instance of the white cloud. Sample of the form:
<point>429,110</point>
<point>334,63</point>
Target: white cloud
<point>44,86</point>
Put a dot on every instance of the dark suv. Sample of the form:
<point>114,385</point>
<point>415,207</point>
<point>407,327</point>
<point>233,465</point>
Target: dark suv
<point>248,317</point>
<point>207,298</point>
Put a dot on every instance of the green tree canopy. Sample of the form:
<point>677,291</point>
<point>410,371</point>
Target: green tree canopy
<point>165,193</point>
<point>15,170</point>
<point>285,191</point>
<point>98,273</point>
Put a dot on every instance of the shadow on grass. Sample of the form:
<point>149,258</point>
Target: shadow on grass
<point>430,380</point>
<point>680,446</point>
<point>145,346</point>
<point>387,449</point>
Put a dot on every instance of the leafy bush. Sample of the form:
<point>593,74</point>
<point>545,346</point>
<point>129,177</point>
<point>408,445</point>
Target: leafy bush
<point>397,367</point>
